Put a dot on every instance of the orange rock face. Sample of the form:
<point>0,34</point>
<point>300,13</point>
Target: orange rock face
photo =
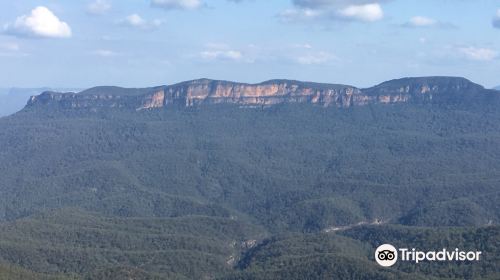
<point>155,100</point>
<point>206,92</point>
<point>217,92</point>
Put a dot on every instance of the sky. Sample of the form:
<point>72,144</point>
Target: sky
<point>139,43</point>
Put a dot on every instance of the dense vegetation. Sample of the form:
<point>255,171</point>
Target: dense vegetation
<point>75,242</point>
<point>183,193</point>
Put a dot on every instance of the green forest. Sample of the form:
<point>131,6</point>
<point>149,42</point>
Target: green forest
<point>222,192</point>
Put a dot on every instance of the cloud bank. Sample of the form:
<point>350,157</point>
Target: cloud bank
<point>308,10</point>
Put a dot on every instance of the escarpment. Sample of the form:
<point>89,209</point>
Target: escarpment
<point>207,92</point>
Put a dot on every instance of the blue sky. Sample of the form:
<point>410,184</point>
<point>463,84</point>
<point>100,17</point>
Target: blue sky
<point>83,43</point>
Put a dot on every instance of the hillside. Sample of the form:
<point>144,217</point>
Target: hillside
<point>93,188</point>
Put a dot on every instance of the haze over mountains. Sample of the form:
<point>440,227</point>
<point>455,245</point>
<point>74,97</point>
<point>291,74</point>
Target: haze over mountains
<point>279,180</point>
<point>14,99</point>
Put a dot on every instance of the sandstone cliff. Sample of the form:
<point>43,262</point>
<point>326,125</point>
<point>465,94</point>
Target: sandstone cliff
<point>205,92</point>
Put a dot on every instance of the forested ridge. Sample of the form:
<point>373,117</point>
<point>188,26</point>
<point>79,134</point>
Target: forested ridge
<point>223,192</point>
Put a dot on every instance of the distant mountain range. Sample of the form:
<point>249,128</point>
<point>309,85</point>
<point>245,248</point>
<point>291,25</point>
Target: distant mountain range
<point>14,99</point>
<point>201,92</point>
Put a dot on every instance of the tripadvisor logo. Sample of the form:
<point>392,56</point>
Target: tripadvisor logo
<point>387,255</point>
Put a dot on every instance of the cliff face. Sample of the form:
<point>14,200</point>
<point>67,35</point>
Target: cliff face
<point>200,92</point>
<point>205,92</point>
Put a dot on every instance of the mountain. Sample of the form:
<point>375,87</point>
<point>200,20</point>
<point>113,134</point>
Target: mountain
<point>279,180</point>
<point>14,99</point>
<point>497,88</point>
<point>204,92</point>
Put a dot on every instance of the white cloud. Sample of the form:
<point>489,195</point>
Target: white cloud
<point>315,58</point>
<point>426,22</point>
<point>294,15</point>
<point>363,12</point>
<point>479,54</point>
<point>98,7</point>
<point>218,51</point>
<point>303,54</point>
<point>136,21</point>
<point>40,23</point>
<point>419,21</point>
<point>225,55</point>
<point>332,3</point>
<point>177,4</point>
<point>105,53</point>
<point>367,12</point>
<point>496,19</point>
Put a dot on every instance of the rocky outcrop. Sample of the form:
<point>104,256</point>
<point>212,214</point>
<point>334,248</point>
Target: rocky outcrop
<point>78,101</point>
<point>206,92</point>
<point>200,92</point>
<point>152,101</point>
<point>427,90</point>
